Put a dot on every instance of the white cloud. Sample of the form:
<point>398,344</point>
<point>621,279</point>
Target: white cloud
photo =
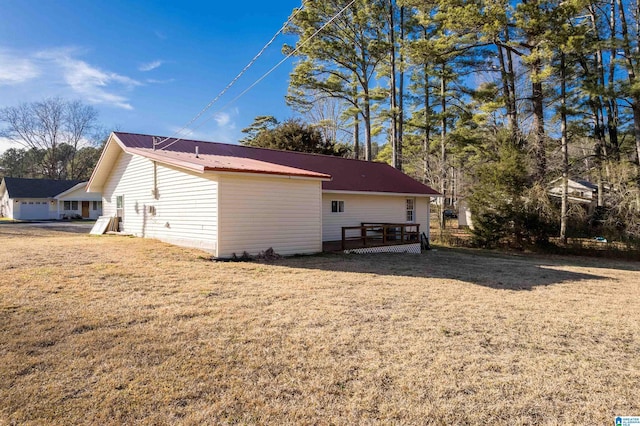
<point>150,65</point>
<point>91,83</point>
<point>224,129</point>
<point>58,71</point>
<point>222,118</point>
<point>5,144</point>
<point>16,70</point>
<point>156,81</point>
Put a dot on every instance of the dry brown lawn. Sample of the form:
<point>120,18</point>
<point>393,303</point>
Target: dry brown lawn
<point>118,330</point>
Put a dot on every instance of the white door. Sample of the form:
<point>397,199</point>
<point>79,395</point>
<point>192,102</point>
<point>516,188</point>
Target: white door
<point>33,210</point>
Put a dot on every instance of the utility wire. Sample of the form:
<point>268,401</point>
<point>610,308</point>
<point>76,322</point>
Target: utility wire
<point>236,78</point>
<point>293,52</point>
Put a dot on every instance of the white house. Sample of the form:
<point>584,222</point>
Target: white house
<point>44,199</point>
<point>230,199</point>
<point>579,191</point>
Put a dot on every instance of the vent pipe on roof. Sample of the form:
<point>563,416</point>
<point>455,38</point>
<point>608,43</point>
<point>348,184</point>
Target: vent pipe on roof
<point>197,152</point>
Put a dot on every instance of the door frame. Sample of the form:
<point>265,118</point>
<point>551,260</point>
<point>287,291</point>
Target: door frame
<point>85,207</point>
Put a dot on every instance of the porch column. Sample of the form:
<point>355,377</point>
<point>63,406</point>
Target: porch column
<point>427,231</point>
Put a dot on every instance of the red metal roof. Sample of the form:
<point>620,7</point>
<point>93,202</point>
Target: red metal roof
<point>347,174</point>
<point>222,163</point>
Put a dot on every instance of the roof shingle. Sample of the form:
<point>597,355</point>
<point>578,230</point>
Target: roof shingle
<point>37,188</point>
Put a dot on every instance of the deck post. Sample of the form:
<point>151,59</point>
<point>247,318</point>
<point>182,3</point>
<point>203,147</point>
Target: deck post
<point>343,236</point>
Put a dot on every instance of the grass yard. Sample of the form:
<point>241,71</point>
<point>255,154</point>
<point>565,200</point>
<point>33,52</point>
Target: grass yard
<point>117,330</point>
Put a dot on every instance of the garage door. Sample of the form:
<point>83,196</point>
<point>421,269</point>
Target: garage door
<point>33,210</point>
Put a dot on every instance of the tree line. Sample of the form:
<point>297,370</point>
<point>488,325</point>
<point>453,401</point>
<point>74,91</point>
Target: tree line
<point>57,139</point>
<point>487,99</point>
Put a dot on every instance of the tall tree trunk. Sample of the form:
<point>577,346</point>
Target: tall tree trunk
<point>511,77</point>
<point>367,124</point>
<point>400,117</point>
<point>597,105</point>
<point>537,99</point>
<point>392,92</point>
<point>356,135</point>
<point>443,146</point>
<point>505,58</point>
<point>564,216</point>
<point>611,103</point>
<point>631,74</point>
<point>426,144</point>
<point>506,87</point>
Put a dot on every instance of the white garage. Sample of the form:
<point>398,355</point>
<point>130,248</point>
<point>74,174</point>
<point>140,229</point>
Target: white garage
<point>31,210</point>
<point>46,199</point>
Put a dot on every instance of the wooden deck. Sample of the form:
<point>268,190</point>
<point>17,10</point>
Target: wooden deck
<point>374,235</point>
<point>336,246</point>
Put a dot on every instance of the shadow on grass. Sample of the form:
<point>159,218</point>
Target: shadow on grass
<point>496,271</point>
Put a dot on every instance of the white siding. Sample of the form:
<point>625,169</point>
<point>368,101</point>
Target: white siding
<point>31,209</point>
<point>262,212</point>
<point>185,209</point>
<point>6,205</point>
<point>78,195</point>
<point>81,194</point>
<point>369,208</point>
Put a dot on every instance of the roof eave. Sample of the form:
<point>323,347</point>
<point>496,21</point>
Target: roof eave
<point>318,176</point>
<point>73,188</point>
<point>98,176</point>
<point>402,194</point>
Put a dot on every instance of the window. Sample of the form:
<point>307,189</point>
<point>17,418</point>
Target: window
<point>97,205</point>
<point>120,207</point>
<point>71,205</point>
<point>411,209</point>
<point>337,206</point>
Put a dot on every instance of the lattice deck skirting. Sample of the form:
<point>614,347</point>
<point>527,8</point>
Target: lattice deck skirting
<point>413,248</point>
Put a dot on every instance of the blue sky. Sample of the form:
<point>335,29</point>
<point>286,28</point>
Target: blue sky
<point>147,67</point>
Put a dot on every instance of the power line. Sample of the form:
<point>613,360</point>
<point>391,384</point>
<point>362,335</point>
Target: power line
<point>236,78</point>
<point>293,52</point>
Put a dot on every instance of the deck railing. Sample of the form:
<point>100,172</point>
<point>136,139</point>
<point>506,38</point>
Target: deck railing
<point>371,234</point>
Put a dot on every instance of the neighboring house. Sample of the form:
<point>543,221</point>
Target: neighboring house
<point>579,191</point>
<point>464,214</point>
<point>44,199</point>
<point>230,199</point>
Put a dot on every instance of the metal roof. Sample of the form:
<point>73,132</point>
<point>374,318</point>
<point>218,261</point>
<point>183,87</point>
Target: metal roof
<point>346,174</point>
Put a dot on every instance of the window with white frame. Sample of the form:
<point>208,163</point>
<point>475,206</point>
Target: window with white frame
<point>120,207</point>
<point>97,205</point>
<point>71,205</point>
<point>337,206</point>
<point>411,209</point>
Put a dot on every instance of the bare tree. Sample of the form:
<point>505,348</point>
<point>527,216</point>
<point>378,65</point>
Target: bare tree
<point>49,125</point>
<point>329,116</point>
